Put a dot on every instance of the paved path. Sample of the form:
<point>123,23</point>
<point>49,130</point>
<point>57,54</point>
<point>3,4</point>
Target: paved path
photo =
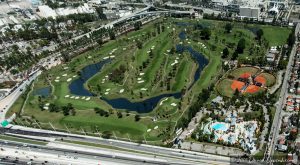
<point>192,125</point>
<point>278,82</point>
<point>265,130</point>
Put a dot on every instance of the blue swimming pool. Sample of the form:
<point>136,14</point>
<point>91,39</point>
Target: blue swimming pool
<point>219,127</point>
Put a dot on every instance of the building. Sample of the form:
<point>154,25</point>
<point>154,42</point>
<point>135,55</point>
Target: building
<point>249,12</point>
<point>281,147</point>
<point>45,12</point>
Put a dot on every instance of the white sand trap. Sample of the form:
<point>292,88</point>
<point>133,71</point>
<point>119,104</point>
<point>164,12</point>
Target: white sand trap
<point>112,56</point>
<point>46,108</point>
<point>143,89</point>
<point>155,127</point>
<point>166,54</point>
<point>87,99</point>
<point>89,56</point>
<point>56,80</point>
<point>106,76</point>
<point>74,76</point>
<point>122,90</point>
<point>64,75</point>
<point>110,53</point>
<point>163,101</point>
<point>47,104</point>
<point>189,42</point>
<point>106,93</point>
<point>152,48</point>
<point>148,52</point>
<point>173,28</point>
<point>204,47</point>
<point>141,81</point>
<point>69,79</point>
<point>187,39</point>
<point>133,40</point>
<point>141,74</point>
<point>72,97</point>
<point>83,98</point>
<point>124,48</point>
<point>168,51</point>
<point>105,58</point>
<point>65,68</point>
<point>58,77</point>
<point>177,58</point>
<point>181,43</point>
<point>175,62</point>
<point>107,90</point>
<point>77,98</point>
<point>67,96</point>
<point>174,104</point>
<point>148,130</point>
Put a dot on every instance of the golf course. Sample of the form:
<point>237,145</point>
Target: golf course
<point>139,85</point>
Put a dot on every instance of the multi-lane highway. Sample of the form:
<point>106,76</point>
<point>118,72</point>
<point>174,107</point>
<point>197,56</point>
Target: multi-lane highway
<point>8,101</point>
<point>166,154</point>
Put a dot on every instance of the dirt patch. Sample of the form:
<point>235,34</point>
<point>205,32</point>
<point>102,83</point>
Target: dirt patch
<point>252,89</point>
<point>237,85</point>
<point>245,75</point>
<point>260,79</point>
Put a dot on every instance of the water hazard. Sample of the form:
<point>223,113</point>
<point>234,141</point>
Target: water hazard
<point>144,106</point>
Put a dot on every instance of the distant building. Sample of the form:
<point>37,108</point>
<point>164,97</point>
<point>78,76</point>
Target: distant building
<point>281,147</point>
<point>111,15</point>
<point>270,57</point>
<point>45,12</point>
<point>249,12</point>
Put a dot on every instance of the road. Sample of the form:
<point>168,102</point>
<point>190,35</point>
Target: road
<point>8,101</point>
<point>12,151</point>
<point>281,102</point>
<point>152,150</point>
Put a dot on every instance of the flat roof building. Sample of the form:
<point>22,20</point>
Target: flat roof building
<point>249,12</point>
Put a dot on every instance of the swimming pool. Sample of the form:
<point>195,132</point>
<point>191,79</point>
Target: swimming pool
<point>219,126</point>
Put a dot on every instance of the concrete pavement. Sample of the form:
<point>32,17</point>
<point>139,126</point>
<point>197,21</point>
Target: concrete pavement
<point>167,152</point>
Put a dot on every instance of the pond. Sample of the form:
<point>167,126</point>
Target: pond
<point>45,92</point>
<point>144,106</point>
<point>77,86</point>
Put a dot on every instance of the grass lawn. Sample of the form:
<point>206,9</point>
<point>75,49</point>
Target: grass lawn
<point>224,87</point>
<point>276,36</point>
<point>271,80</point>
<point>21,140</point>
<point>236,73</point>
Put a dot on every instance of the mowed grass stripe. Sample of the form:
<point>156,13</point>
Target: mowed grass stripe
<point>182,75</point>
<point>88,120</point>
